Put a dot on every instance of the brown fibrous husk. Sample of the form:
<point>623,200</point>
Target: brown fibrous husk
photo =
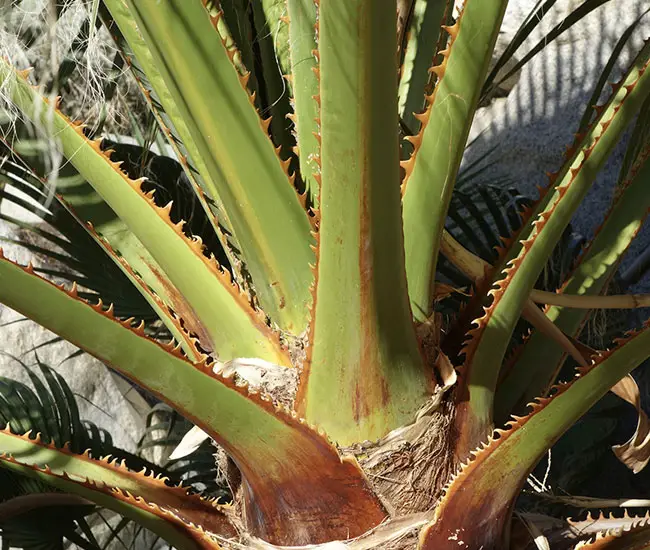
<point>410,467</point>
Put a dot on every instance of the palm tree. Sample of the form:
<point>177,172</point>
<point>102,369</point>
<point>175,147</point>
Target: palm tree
<point>328,249</point>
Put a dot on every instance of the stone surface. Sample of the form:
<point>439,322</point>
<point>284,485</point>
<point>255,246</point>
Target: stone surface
<point>100,395</point>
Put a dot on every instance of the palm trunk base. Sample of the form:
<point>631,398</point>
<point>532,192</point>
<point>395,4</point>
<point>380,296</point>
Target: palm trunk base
<point>410,467</point>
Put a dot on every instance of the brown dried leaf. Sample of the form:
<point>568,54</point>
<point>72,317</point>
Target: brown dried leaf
<point>635,452</point>
<point>446,370</point>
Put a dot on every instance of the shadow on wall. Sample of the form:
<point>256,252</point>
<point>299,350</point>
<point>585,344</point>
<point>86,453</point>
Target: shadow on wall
<point>532,126</point>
